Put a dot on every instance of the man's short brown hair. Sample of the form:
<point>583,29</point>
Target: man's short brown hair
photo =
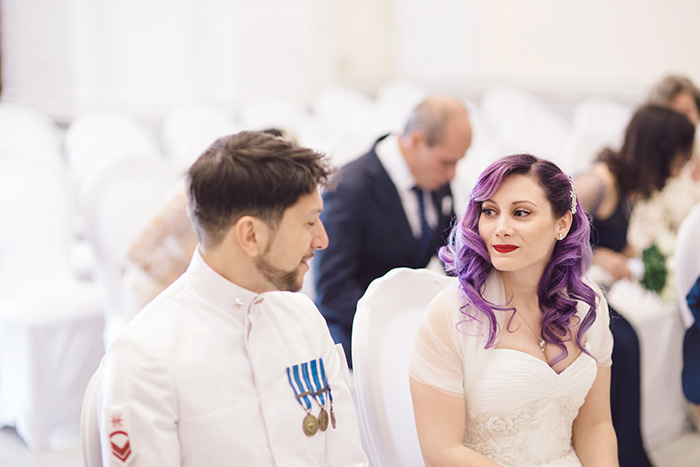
<point>249,173</point>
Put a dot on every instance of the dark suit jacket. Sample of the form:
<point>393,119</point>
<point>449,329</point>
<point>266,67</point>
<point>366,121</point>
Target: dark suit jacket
<point>369,235</point>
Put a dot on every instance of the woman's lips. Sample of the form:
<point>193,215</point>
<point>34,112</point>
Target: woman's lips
<point>505,248</point>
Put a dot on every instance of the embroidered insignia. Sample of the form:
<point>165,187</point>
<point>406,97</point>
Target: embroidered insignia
<point>116,420</point>
<point>121,447</point>
<point>238,302</point>
<point>117,425</point>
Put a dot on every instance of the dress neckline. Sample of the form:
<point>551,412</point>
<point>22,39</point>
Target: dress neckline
<point>532,357</point>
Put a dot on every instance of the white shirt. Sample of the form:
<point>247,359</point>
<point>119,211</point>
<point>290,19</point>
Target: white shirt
<point>394,163</point>
<point>198,378</point>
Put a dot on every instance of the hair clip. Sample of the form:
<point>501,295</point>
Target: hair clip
<point>573,195</point>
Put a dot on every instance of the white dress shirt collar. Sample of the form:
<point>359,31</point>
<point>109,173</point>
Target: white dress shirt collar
<point>394,163</point>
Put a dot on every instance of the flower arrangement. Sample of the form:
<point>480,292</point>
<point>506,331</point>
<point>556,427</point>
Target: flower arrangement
<point>658,270</point>
<point>655,271</point>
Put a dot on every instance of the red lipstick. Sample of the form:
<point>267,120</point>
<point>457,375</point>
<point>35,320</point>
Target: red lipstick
<point>505,248</point>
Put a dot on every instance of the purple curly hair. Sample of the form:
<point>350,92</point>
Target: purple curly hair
<point>561,284</point>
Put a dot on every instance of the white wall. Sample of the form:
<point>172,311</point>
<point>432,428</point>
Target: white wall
<point>617,47</point>
<point>144,56</point>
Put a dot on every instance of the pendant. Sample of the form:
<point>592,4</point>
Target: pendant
<point>310,425</point>
<point>542,343</point>
<point>332,418</point>
<point>322,419</point>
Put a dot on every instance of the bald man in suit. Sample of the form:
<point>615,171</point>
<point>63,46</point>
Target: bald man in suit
<point>390,208</point>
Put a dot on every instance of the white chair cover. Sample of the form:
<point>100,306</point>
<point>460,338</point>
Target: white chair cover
<point>597,123</point>
<point>27,133</point>
<point>396,100</point>
<point>51,324</point>
<point>269,112</point>
<point>37,224</point>
<point>687,260</point>
<point>348,123</point>
<point>94,140</point>
<point>523,124</point>
<point>115,205</point>
<point>188,131</point>
<point>387,316</point>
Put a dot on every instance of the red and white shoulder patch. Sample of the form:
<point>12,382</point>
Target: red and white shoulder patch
<point>117,427</point>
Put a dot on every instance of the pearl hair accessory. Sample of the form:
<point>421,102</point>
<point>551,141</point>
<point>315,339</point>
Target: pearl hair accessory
<point>573,195</point>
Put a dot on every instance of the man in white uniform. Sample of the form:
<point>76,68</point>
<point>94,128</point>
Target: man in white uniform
<point>227,366</point>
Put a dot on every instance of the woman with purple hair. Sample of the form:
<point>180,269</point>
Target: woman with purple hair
<point>511,363</point>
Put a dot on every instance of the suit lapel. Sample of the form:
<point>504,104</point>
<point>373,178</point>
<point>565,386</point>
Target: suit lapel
<point>387,198</point>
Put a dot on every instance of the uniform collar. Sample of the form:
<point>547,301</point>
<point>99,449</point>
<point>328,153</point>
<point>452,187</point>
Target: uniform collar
<point>218,290</point>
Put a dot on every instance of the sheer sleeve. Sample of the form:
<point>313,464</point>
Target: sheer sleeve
<point>436,359</point>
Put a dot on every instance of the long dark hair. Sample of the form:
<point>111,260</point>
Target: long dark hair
<point>655,136</point>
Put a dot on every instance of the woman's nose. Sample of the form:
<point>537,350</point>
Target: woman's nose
<point>503,226</point>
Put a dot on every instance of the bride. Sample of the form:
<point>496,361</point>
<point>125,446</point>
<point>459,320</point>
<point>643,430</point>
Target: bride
<point>511,363</point>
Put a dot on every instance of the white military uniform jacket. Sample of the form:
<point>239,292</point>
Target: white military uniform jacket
<point>199,378</point>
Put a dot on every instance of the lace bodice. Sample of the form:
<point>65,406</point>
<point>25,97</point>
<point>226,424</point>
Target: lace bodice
<point>521,411</point>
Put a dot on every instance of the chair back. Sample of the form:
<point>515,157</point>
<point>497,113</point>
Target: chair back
<point>386,318</point>
<point>89,426</point>
<point>116,205</point>
<point>687,260</point>
<point>29,134</point>
<point>95,140</point>
<point>37,224</point>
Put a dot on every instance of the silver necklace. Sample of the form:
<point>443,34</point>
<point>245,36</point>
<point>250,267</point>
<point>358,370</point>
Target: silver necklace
<point>539,338</point>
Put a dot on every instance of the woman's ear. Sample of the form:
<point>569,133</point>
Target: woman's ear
<point>564,224</point>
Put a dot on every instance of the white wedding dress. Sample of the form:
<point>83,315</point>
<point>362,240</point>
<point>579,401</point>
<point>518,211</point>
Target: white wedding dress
<point>519,411</point>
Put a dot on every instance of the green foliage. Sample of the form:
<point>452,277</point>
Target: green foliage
<point>655,272</point>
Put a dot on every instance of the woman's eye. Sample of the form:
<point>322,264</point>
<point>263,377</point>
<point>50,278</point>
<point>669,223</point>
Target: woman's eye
<point>488,211</point>
<point>521,213</point>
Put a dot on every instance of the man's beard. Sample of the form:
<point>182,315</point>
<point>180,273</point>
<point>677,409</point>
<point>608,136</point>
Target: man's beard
<point>279,278</point>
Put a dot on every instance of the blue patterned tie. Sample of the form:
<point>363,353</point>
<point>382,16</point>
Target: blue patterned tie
<point>426,232</point>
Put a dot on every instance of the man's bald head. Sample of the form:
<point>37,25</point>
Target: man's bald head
<point>431,117</point>
<point>436,136</point>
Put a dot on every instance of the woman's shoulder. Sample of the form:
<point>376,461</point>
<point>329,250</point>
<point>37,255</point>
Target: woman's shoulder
<point>451,311</point>
<point>597,190</point>
<point>444,304</point>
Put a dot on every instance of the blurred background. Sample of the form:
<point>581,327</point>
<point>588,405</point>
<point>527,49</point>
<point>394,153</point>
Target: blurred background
<point>104,103</point>
<point>68,56</point>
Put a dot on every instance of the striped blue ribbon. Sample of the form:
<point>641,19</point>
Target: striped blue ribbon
<point>305,389</point>
<point>298,388</point>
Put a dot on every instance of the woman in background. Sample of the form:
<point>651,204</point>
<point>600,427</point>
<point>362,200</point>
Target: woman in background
<point>657,219</point>
<point>511,363</point>
<point>657,145</point>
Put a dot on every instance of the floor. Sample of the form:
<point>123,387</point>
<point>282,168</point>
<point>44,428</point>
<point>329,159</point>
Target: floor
<point>683,452</point>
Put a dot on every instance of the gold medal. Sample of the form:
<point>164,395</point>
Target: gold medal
<point>310,425</point>
<point>322,419</point>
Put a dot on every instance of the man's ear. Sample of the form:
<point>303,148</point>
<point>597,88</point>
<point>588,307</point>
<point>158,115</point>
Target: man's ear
<point>251,234</point>
<point>416,138</point>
